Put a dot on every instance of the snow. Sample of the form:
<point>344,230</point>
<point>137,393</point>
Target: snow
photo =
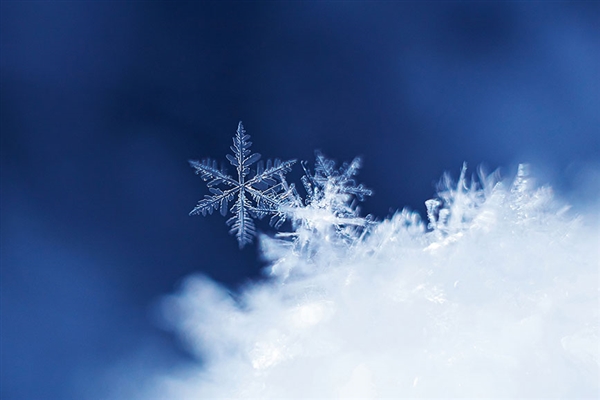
<point>497,296</point>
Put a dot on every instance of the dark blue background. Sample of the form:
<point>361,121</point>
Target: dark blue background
<point>103,103</point>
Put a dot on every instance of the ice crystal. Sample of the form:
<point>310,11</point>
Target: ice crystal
<point>334,189</point>
<point>328,210</point>
<point>255,193</point>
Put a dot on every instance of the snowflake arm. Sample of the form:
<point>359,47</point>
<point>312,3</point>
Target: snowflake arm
<point>219,200</point>
<point>242,225</point>
<point>241,150</point>
<point>207,169</point>
<point>271,180</point>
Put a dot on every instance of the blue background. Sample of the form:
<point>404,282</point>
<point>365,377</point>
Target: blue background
<point>103,103</point>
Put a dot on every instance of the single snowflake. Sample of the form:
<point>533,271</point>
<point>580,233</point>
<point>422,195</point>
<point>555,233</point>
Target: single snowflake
<point>257,193</point>
<point>334,188</point>
<point>331,200</point>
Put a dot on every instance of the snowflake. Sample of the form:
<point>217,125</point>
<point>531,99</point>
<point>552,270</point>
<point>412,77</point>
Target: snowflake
<point>334,189</point>
<point>257,193</point>
<point>330,209</point>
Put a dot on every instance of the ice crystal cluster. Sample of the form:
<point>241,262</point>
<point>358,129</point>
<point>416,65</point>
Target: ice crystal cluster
<point>495,295</point>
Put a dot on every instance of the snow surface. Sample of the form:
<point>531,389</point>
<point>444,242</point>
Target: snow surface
<point>496,296</point>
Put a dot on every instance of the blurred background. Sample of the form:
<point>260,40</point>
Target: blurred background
<point>103,103</point>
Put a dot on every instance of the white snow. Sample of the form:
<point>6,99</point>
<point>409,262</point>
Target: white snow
<point>499,297</point>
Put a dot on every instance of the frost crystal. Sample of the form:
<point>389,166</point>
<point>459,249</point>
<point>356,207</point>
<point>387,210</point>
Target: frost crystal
<point>329,209</point>
<point>265,192</point>
<point>333,189</point>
